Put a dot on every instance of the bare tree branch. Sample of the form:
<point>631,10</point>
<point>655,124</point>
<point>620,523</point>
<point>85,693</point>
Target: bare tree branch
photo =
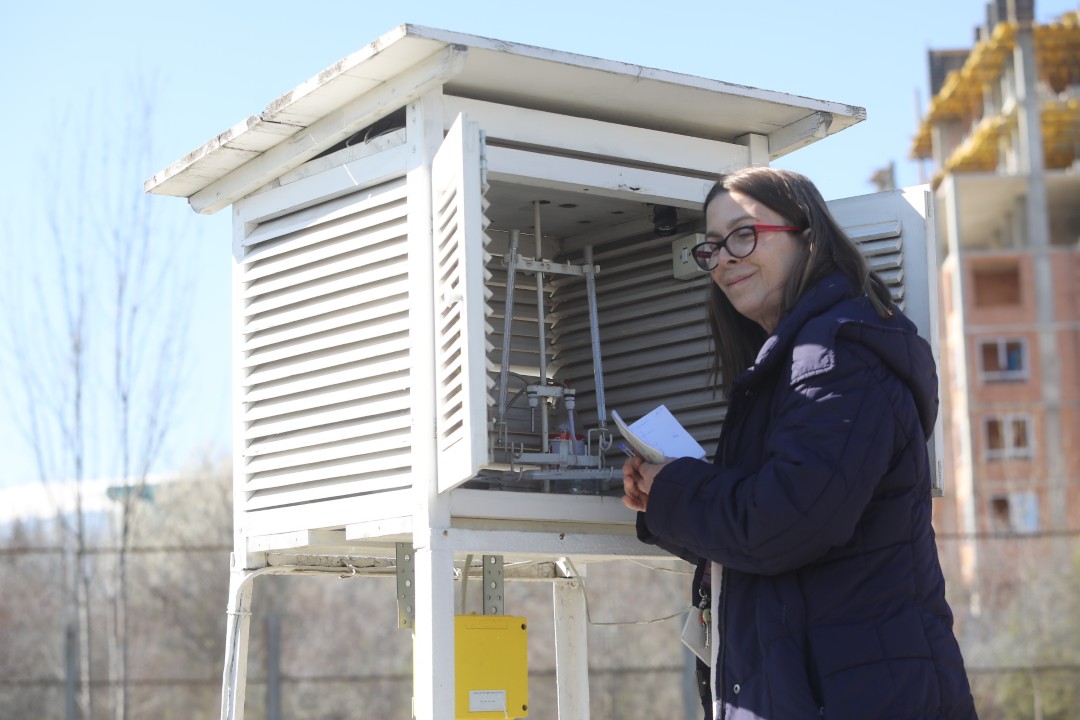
<point>97,341</point>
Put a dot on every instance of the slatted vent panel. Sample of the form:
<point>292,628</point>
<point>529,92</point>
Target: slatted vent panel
<point>653,338</point>
<point>326,351</point>
<point>462,293</point>
<point>883,246</point>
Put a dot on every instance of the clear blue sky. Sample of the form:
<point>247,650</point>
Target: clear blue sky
<point>216,63</point>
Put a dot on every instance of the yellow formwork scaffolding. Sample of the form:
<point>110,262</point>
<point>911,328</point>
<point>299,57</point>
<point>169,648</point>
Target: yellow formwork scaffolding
<point>961,98</point>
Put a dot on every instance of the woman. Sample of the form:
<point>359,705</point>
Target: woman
<point>827,595</point>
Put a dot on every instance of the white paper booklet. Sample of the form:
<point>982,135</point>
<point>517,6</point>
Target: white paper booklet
<point>658,435</point>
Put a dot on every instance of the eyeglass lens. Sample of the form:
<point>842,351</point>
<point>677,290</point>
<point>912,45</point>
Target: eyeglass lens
<point>739,243</point>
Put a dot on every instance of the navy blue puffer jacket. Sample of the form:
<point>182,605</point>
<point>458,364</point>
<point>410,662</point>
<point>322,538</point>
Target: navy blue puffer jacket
<point>818,507</point>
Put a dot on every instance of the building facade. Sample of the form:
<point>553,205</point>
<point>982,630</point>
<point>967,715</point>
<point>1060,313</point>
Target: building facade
<point>1003,136</point>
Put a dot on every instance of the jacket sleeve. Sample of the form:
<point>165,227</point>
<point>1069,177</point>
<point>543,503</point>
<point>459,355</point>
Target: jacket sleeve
<point>645,536</point>
<point>831,441</point>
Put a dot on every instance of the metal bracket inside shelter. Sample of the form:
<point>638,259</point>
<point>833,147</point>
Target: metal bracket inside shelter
<point>577,460</point>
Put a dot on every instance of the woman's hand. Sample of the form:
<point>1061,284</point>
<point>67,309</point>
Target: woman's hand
<point>638,477</point>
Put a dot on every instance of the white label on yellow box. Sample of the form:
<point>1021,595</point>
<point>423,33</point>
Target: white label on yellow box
<point>487,700</point>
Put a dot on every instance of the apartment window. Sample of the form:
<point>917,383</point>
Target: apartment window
<point>997,285</point>
<point>1008,436</point>
<point>1003,360</point>
<point>1014,512</point>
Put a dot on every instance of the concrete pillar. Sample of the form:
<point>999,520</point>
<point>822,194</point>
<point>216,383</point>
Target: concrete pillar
<point>1038,239</point>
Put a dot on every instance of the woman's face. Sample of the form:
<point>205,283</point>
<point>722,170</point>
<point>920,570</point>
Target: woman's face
<point>753,284</point>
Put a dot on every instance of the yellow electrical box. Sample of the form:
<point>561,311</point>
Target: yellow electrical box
<point>491,666</point>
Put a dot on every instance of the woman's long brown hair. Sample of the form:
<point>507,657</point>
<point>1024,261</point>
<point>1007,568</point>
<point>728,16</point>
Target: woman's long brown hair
<point>826,249</point>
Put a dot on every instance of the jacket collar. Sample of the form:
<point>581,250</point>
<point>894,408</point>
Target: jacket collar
<point>812,357</point>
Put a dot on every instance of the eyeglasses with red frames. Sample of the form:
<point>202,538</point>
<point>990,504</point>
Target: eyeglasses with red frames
<point>739,243</point>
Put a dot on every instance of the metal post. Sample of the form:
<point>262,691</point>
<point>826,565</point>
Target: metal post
<point>571,649</point>
<point>508,322</point>
<point>273,666</point>
<point>541,332</point>
<point>433,637</point>
<point>594,332</point>
<point>691,698</point>
<point>237,626</point>
<point>71,671</point>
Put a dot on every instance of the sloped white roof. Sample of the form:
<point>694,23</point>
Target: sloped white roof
<point>495,71</point>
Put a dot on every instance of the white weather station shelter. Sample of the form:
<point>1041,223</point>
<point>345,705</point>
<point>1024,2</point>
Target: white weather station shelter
<point>453,257</point>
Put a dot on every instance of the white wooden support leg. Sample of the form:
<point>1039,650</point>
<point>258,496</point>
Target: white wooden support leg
<point>433,638</point>
<point>237,625</point>
<point>571,649</point>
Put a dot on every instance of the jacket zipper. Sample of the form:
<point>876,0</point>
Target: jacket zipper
<point>721,628</point>
<point>721,639</point>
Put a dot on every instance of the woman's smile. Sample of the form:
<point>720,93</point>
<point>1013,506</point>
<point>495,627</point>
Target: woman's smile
<point>753,284</point>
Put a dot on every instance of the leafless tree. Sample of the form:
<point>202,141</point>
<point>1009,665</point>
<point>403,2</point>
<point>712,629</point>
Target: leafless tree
<point>148,334</point>
<point>178,574</point>
<point>1039,630</point>
<point>48,339</point>
<point>97,330</point>
<point>178,597</point>
<point>28,602</point>
<point>1023,647</point>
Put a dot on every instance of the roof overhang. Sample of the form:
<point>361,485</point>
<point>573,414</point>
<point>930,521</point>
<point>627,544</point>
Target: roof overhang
<point>411,60</point>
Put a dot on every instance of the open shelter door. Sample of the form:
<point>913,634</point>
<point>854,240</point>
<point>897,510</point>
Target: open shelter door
<point>462,382</point>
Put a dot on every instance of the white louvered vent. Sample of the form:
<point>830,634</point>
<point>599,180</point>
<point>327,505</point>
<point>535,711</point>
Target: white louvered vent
<point>883,246</point>
<point>326,351</point>
<point>461,305</point>
<point>653,336</point>
<point>524,352</point>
